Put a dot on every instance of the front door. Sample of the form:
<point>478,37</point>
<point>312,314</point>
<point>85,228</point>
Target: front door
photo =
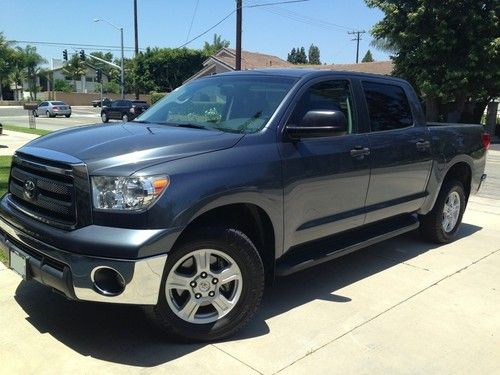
<point>325,179</point>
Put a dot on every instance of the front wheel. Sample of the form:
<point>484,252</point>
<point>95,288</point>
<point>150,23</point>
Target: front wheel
<point>104,117</point>
<point>125,118</point>
<point>68,116</point>
<point>35,113</point>
<point>442,223</point>
<point>211,286</point>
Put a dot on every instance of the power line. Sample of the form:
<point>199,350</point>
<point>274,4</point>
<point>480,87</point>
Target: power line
<point>192,20</point>
<point>209,29</point>
<point>79,45</point>
<point>276,3</point>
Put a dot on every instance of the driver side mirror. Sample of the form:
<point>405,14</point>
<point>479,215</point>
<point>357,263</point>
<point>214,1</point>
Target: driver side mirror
<point>319,123</point>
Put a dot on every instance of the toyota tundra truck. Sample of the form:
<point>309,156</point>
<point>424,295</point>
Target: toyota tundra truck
<point>229,182</point>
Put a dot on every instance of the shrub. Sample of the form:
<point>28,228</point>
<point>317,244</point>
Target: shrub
<point>156,96</point>
<point>62,85</point>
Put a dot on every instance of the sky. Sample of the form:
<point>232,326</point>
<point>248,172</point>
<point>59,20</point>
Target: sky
<point>273,30</point>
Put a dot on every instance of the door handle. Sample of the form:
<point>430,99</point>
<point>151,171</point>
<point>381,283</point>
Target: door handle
<point>360,152</point>
<point>423,145</point>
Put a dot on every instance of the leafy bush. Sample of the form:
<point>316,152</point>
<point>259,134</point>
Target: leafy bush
<point>62,85</point>
<point>156,96</point>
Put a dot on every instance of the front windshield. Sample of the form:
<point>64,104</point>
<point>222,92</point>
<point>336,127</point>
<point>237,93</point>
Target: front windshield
<point>239,104</point>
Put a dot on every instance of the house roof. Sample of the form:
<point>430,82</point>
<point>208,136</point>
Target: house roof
<point>250,60</point>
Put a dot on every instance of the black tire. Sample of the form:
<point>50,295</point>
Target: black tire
<point>104,117</point>
<point>68,116</point>
<point>125,118</point>
<point>35,113</point>
<point>431,224</point>
<point>239,247</point>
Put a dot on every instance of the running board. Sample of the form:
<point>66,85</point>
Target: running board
<point>324,250</point>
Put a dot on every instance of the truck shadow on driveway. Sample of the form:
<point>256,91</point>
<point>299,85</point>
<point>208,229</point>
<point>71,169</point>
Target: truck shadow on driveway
<point>122,334</point>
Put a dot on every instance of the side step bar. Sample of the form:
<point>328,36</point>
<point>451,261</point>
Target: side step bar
<point>324,250</point>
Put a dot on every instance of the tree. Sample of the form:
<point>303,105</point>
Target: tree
<point>6,54</point>
<point>164,69</point>
<point>217,44</point>
<point>314,55</point>
<point>368,57</point>
<point>449,50</point>
<point>32,62</point>
<point>297,56</point>
<point>75,68</point>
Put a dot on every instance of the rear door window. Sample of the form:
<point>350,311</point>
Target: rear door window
<point>388,106</point>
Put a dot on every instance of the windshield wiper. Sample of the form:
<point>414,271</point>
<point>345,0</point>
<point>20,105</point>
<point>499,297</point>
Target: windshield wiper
<point>193,126</point>
<point>141,121</point>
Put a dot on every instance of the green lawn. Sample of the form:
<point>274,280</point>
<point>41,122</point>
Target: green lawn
<point>22,129</point>
<point>4,179</point>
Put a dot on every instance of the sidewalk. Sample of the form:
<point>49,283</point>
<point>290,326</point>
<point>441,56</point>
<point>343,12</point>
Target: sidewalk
<point>10,141</point>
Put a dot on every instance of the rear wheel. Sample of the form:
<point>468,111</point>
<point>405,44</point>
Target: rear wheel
<point>211,286</point>
<point>442,223</point>
<point>125,118</point>
<point>68,115</point>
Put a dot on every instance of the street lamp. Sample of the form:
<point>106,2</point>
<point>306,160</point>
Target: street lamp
<point>122,77</point>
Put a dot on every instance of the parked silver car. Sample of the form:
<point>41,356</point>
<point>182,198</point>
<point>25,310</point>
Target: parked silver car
<point>53,109</point>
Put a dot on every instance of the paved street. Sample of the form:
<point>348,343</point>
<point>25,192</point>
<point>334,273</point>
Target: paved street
<point>402,306</point>
<point>81,115</point>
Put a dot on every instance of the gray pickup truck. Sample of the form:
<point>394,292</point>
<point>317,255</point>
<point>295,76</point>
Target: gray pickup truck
<point>228,182</point>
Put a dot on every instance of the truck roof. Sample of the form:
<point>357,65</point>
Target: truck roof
<point>307,72</point>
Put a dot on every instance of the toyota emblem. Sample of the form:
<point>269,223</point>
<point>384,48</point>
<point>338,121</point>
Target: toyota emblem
<point>29,189</point>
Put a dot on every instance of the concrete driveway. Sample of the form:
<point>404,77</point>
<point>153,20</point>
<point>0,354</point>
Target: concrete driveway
<point>402,306</point>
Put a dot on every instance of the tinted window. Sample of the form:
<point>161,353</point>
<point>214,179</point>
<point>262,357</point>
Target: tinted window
<point>388,106</point>
<point>331,95</point>
<point>43,104</point>
<point>58,103</point>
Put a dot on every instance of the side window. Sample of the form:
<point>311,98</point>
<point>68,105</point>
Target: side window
<point>388,106</point>
<point>115,103</point>
<point>330,95</point>
<point>43,104</point>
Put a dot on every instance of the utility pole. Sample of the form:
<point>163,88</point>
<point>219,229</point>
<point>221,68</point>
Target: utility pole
<point>239,17</point>
<point>136,35</point>
<point>357,39</point>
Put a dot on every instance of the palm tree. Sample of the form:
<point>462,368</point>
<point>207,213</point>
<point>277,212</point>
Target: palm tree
<point>75,68</point>
<point>32,61</point>
<point>18,73</point>
<point>217,44</point>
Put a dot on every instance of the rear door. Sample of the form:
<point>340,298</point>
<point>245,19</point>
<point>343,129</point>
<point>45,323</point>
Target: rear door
<point>325,179</point>
<point>400,150</point>
<point>114,111</point>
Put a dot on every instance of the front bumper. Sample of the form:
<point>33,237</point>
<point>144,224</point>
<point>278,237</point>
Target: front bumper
<point>73,274</point>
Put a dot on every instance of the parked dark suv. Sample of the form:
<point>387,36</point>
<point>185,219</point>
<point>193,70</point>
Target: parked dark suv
<point>125,110</point>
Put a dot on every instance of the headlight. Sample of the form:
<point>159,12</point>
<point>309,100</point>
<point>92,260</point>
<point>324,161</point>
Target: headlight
<point>127,193</point>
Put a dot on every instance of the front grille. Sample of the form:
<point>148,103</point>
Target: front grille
<point>43,190</point>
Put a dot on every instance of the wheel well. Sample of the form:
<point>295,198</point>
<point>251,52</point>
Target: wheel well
<point>248,218</point>
<point>461,172</point>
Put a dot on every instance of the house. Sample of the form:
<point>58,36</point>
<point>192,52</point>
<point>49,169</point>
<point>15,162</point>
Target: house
<point>224,61</point>
<point>86,84</point>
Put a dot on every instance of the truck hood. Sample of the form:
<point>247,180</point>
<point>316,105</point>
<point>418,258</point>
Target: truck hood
<point>122,149</point>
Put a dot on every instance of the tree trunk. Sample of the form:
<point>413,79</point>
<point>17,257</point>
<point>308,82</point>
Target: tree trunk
<point>432,109</point>
<point>491,117</point>
<point>456,110</point>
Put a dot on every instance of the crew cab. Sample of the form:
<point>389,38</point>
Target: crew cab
<point>229,182</point>
<point>124,110</point>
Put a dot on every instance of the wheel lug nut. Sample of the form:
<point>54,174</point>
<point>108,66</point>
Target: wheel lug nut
<point>211,294</point>
<point>197,295</point>
<point>193,284</point>
<point>214,281</point>
<point>203,275</point>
